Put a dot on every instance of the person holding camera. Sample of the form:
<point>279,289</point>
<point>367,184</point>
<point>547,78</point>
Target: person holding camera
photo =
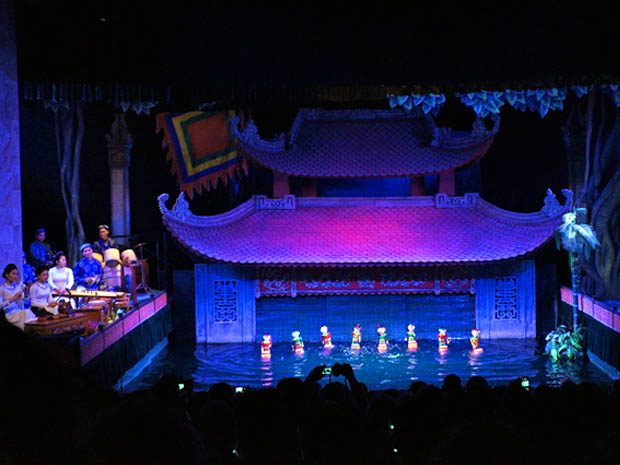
<point>340,369</point>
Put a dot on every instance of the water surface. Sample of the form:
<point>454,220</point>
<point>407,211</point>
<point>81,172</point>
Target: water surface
<point>241,364</point>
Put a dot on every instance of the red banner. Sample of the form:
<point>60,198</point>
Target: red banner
<point>367,280</point>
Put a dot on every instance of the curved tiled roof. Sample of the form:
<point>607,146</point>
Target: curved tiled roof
<point>365,143</point>
<point>363,231</point>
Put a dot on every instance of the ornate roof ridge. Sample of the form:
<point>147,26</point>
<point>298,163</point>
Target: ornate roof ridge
<point>435,230</point>
<point>181,212</point>
<point>551,208</point>
<point>441,137</point>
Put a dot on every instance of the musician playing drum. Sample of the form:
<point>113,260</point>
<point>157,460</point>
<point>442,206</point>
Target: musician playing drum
<point>104,242</point>
<point>88,271</point>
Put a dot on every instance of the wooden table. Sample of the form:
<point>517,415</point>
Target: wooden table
<point>60,323</point>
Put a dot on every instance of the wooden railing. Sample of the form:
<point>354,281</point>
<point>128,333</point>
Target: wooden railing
<point>606,314</point>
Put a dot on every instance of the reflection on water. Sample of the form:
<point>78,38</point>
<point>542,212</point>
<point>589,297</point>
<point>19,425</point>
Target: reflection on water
<point>266,373</point>
<point>242,365</point>
<point>474,360</point>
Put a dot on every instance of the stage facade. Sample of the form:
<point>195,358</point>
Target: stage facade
<point>297,262</point>
<point>286,266</point>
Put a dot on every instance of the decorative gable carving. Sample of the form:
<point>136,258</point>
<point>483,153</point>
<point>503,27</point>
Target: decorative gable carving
<point>445,201</point>
<point>261,202</point>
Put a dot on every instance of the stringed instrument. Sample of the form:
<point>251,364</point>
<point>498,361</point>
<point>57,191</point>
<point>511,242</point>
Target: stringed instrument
<point>91,294</point>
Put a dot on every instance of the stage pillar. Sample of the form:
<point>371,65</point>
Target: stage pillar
<point>308,187</point>
<point>225,303</point>
<point>417,186</point>
<point>506,300</point>
<point>446,182</point>
<point>11,245</point>
<point>281,187</point>
<point>119,151</point>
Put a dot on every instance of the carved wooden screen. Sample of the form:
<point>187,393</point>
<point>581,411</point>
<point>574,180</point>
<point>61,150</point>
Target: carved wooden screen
<point>225,301</point>
<point>506,298</point>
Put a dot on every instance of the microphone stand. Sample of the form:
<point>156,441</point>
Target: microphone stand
<point>143,286</point>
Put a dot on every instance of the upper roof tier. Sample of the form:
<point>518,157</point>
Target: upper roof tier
<point>365,143</point>
<point>323,231</point>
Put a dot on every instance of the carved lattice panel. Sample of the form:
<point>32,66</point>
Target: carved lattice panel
<point>505,307</point>
<point>225,301</point>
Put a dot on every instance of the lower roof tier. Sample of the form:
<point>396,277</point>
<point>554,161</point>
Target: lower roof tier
<point>325,231</point>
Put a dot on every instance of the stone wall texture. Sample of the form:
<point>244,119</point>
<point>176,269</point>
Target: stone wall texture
<point>10,178</point>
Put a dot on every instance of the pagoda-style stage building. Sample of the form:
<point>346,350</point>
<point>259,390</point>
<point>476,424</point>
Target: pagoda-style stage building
<point>431,258</point>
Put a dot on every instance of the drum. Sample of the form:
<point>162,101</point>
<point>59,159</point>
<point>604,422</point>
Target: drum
<point>98,256</point>
<point>112,276</point>
<point>112,258</point>
<point>112,269</point>
<point>128,257</point>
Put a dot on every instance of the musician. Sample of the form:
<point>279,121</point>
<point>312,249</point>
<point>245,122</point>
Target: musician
<point>41,300</point>
<point>61,276</point>
<point>104,242</point>
<point>28,277</point>
<point>40,252</point>
<point>88,271</point>
<point>28,272</point>
<point>12,298</point>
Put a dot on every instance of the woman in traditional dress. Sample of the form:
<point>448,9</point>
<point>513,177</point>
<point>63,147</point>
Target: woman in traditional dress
<point>12,298</point>
<point>41,300</point>
<point>61,276</point>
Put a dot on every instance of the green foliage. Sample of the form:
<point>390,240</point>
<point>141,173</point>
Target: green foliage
<point>563,344</point>
<point>54,106</point>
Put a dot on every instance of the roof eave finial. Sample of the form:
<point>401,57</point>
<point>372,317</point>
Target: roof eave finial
<point>496,120</point>
<point>568,195</point>
<point>249,135</point>
<point>180,209</point>
<point>161,200</point>
<point>551,205</point>
<point>479,129</point>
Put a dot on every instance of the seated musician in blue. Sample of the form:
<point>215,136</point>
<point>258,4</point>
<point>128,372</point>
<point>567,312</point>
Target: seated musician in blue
<point>28,276</point>
<point>104,242</point>
<point>40,252</point>
<point>88,271</point>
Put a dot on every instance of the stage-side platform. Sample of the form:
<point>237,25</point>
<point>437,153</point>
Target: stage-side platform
<point>602,322</point>
<point>106,355</point>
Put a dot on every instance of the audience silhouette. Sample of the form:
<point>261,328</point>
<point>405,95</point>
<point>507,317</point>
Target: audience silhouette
<point>52,415</point>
